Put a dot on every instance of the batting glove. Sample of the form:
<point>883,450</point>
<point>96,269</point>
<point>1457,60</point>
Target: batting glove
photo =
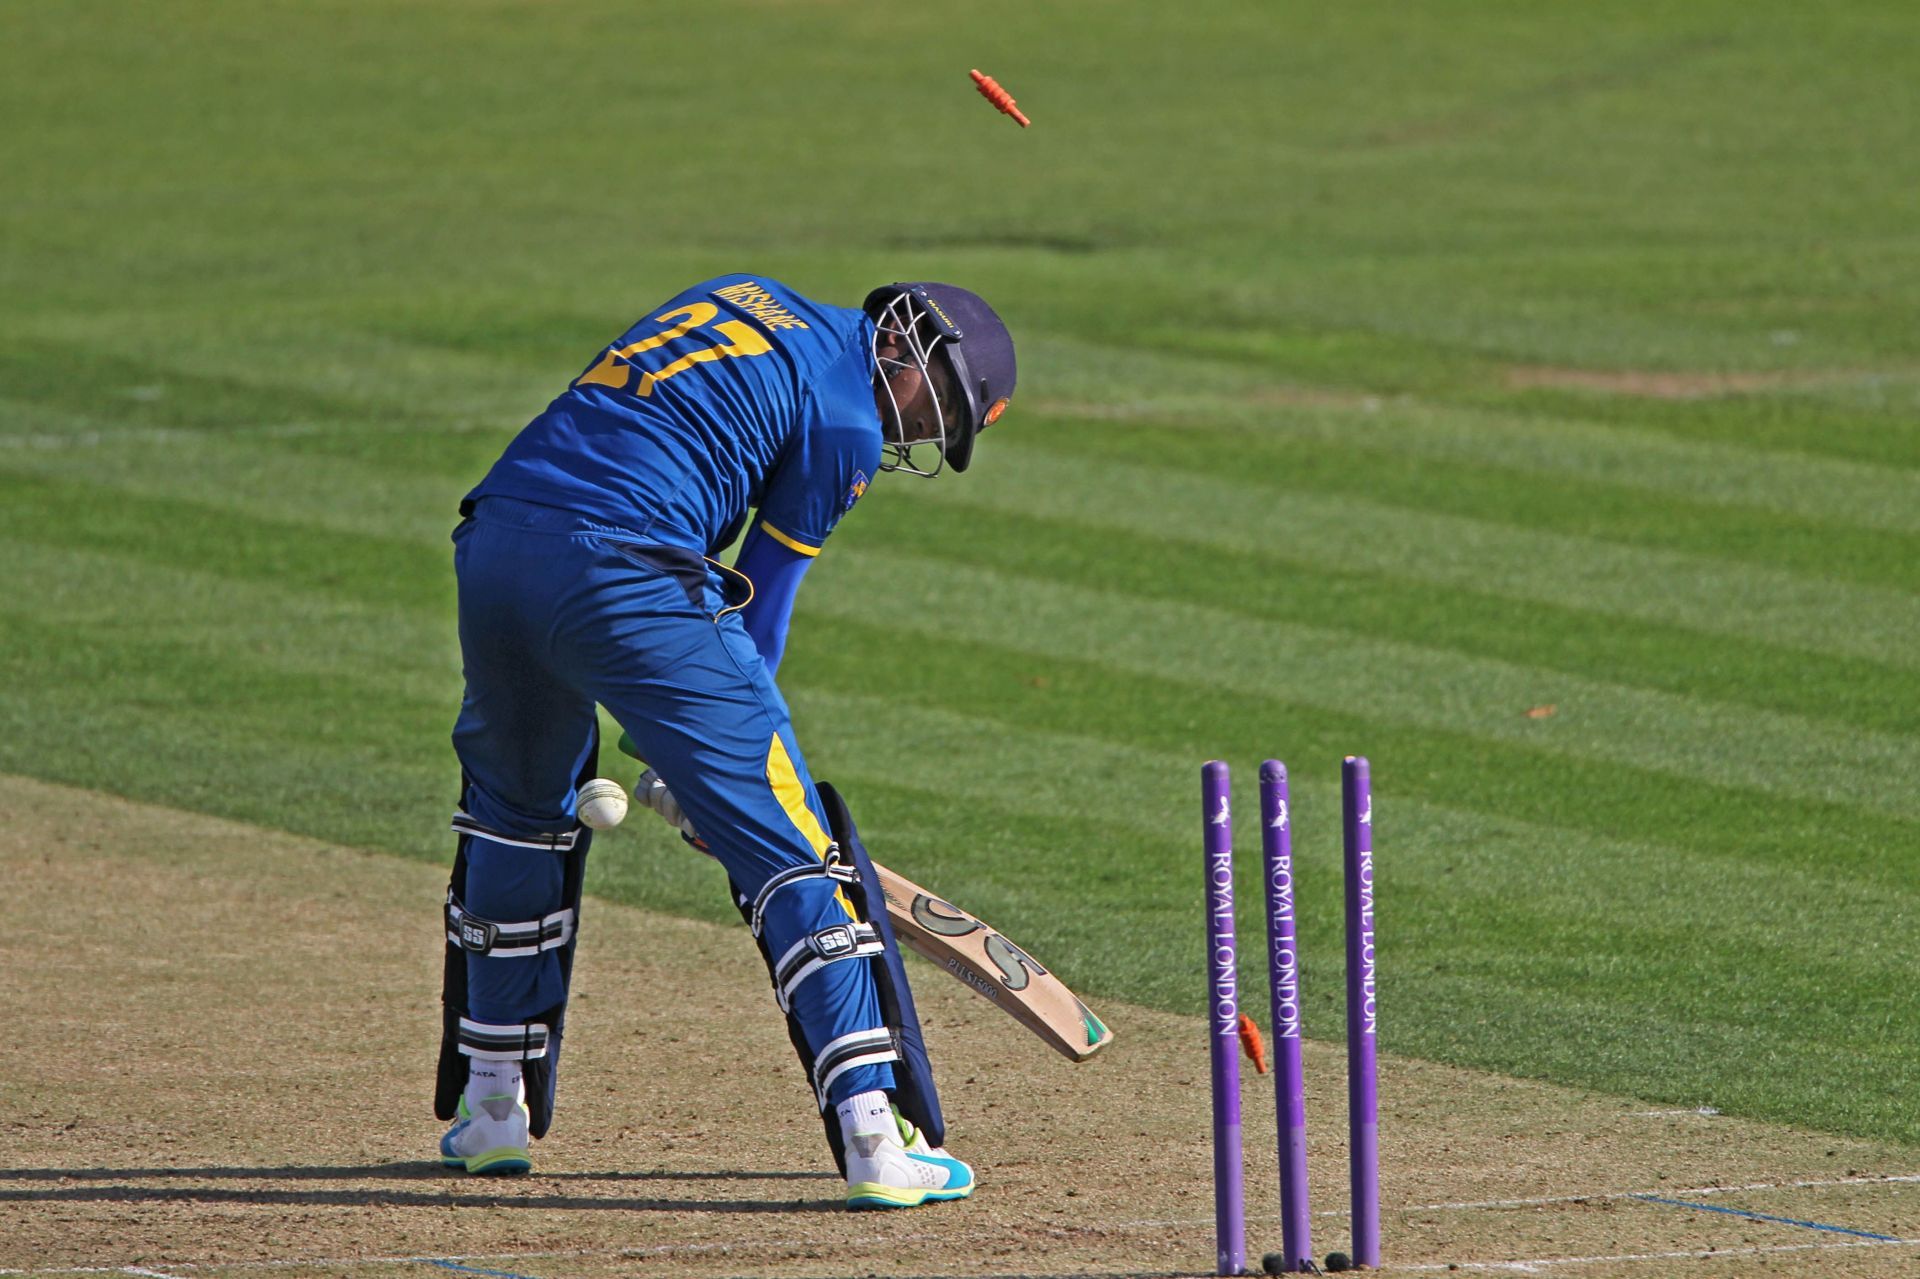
<point>652,791</point>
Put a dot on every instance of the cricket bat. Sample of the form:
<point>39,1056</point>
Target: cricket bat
<point>974,954</point>
<point>992,967</point>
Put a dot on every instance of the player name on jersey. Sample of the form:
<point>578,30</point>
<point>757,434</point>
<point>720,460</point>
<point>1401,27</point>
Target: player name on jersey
<point>758,303</point>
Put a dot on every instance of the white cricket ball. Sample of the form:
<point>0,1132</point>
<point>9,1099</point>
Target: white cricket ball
<point>601,803</point>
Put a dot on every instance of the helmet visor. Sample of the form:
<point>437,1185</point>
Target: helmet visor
<point>907,336</point>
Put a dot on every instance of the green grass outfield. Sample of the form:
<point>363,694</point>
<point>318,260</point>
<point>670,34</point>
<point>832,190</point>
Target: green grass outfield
<point>1388,371</point>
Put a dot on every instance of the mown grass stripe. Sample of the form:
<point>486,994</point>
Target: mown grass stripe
<point>1563,454</point>
<point>1272,583</point>
<point>105,386</point>
<point>1062,769</point>
<point>1536,502</point>
<point>1198,719</point>
<point>204,688</point>
<point>262,475</point>
<point>1864,418</point>
<point>86,596</point>
<point>1386,681</point>
<point>364,567</point>
<point>1716,597</point>
<point>1873,422</point>
<point>235,753</point>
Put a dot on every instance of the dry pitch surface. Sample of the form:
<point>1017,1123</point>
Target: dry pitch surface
<point>220,1047</point>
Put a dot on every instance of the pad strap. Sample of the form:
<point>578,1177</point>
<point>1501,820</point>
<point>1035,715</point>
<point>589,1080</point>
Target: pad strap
<point>816,950</point>
<point>463,824</point>
<point>830,868</point>
<point>506,941</point>
<point>861,1048</point>
<point>485,1042</point>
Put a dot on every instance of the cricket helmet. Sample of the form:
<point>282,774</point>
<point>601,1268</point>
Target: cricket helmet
<point>946,325</point>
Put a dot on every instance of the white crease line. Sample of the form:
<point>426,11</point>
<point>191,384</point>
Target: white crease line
<point>1548,1201</point>
<point>1703,1112</point>
<point>1537,1264</point>
<point>149,1274</point>
<point>1694,1192</point>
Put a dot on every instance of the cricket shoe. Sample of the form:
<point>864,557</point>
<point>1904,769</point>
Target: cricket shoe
<point>491,1143</point>
<point>895,1167</point>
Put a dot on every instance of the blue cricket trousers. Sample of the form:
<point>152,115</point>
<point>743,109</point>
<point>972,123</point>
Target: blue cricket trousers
<point>558,613</point>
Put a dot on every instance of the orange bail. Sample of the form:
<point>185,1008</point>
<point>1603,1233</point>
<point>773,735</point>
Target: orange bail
<point>990,90</point>
<point>1255,1046</point>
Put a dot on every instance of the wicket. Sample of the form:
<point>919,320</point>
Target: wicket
<point>1223,1009</point>
<point>1283,971</point>
<point>1363,1119</point>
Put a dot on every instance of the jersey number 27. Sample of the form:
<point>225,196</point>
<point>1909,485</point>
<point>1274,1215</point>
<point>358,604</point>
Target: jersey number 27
<point>617,367</point>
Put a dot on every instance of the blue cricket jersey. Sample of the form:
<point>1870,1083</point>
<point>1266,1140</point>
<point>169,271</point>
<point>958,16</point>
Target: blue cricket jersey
<point>737,394</point>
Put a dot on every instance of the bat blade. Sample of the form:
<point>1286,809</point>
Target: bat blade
<point>992,967</point>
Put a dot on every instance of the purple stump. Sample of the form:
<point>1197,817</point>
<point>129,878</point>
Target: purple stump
<point>1223,1022</point>
<point>1283,976</point>
<point>1363,1111</point>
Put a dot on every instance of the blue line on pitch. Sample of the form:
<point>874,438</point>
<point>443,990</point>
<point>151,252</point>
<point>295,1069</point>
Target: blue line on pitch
<point>1763,1216</point>
<point>470,1270</point>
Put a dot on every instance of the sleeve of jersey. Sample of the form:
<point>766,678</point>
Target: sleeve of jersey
<point>775,571</point>
<point>827,468</point>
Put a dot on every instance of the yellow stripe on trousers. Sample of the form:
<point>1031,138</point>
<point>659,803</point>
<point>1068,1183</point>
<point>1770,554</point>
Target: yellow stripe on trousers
<point>787,788</point>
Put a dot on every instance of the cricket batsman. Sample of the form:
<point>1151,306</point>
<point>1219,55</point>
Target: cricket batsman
<point>587,574</point>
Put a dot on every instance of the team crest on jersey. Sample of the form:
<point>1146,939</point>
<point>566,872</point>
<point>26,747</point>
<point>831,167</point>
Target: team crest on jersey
<point>854,490</point>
